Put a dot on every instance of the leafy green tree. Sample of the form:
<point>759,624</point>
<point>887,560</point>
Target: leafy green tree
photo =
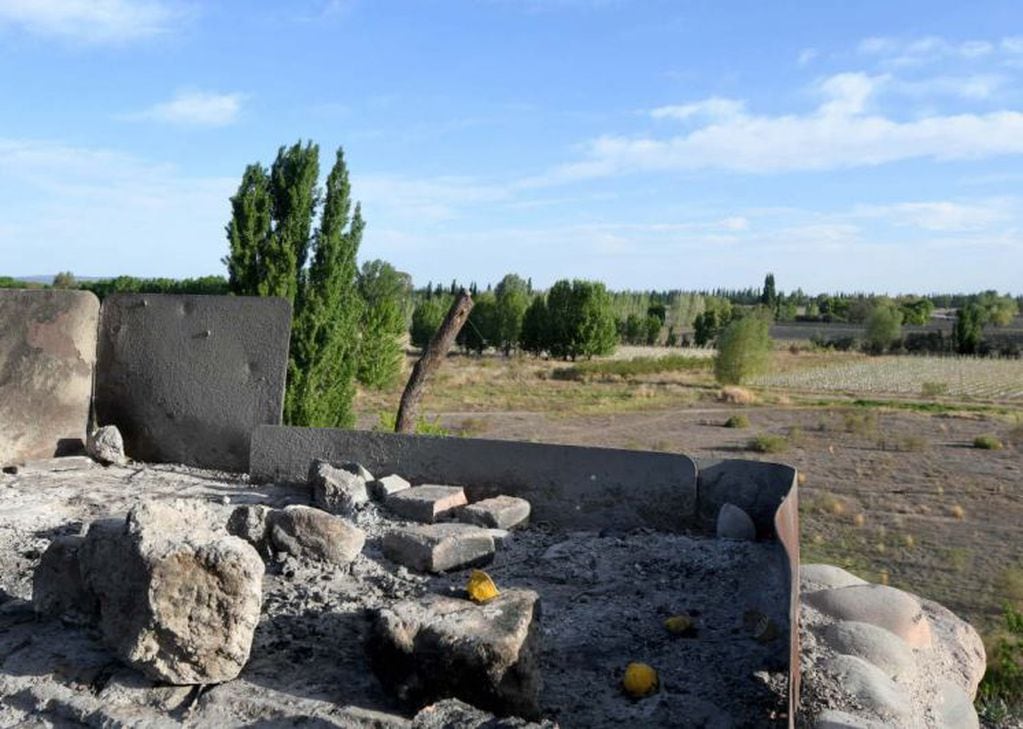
<point>744,349</point>
<point>513,299</point>
<point>968,332</point>
<point>64,280</point>
<point>917,312</point>
<point>580,320</point>
<point>769,294</point>
<point>651,330</point>
<point>481,328</point>
<point>533,336</point>
<point>427,318</point>
<point>1001,310</point>
<point>271,241</point>
<point>384,291</point>
<point>633,331</point>
<point>884,328</point>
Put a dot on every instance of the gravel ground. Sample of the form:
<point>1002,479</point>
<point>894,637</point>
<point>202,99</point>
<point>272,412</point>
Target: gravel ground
<point>604,599</point>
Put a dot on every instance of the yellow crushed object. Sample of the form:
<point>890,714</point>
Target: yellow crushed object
<point>679,624</point>
<point>639,680</point>
<point>481,588</point>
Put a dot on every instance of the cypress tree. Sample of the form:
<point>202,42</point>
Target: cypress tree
<point>248,233</point>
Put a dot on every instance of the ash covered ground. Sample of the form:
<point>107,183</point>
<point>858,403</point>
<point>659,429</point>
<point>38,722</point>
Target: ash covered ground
<point>604,599</point>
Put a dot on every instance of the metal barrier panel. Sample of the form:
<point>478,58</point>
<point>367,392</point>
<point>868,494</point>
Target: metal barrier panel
<point>569,486</point>
<point>47,357</point>
<point>187,378</point>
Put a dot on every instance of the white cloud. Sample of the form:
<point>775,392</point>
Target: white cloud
<point>715,107</point>
<point>89,21</point>
<point>807,55</point>
<point>977,86</point>
<point>100,212</point>
<point>840,133</point>
<point>929,49</point>
<point>940,216</point>
<point>193,108</point>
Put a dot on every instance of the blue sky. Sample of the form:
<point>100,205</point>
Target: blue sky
<point>844,146</point>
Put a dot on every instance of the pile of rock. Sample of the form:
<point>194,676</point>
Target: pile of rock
<point>874,656</point>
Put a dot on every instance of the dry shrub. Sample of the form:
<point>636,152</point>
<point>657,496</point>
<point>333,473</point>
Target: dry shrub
<point>957,512</point>
<point>736,395</point>
<point>988,442</point>
<point>860,519</point>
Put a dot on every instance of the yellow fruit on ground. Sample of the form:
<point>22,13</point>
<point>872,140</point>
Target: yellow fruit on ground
<point>639,680</point>
<point>481,588</point>
<point>679,624</point>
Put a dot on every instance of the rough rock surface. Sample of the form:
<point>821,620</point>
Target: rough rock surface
<point>338,490</point>
<point>178,599</point>
<point>455,714</point>
<point>439,647</point>
<point>57,586</point>
<point>439,547</point>
<point>250,522</point>
<point>875,656</point>
<point>303,531</point>
<point>426,503</point>
<point>499,512</point>
<point>106,445</point>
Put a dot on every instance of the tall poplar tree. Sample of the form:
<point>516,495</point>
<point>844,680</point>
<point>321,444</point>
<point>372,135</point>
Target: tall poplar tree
<point>271,239</point>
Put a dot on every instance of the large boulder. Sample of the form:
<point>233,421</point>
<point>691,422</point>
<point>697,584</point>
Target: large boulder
<point>106,445</point>
<point>57,586</point>
<point>178,598</point>
<point>438,647</point>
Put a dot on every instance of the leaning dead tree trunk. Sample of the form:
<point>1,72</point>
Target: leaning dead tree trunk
<point>433,355</point>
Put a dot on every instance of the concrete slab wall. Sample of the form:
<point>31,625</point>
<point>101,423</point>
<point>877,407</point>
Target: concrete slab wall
<point>47,356</point>
<point>569,486</point>
<point>187,378</point>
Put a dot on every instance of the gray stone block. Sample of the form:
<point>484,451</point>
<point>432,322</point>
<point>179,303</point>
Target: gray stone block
<point>436,647</point>
<point>337,490</point>
<point>47,357</point>
<point>106,445</point>
<point>384,487</point>
<point>302,531</point>
<point>426,503</point>
<point>439,547</point>
<point>500,512</point>
<point>186,379</point>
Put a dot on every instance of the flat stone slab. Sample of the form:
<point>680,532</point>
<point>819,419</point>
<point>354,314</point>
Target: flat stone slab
<point>500,512</point>
<point>436,647</point>
<point>52,465</point>
<point>813,577</point>
<point>885,607</point>
<point>426,503</point>
<point>439,547</point>
<point>187,379</point>
<point>381,488</point>
<point>47,357</point>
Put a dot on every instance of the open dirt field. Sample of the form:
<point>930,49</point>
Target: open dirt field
<point>892,493</point>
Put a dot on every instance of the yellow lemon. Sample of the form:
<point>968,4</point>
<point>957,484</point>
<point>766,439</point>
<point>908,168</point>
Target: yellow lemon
<point>679,624</point>
<point>481,588</point>
<point>639,680</point>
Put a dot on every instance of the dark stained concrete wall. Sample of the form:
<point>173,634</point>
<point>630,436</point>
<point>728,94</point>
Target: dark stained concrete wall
<point>569,486</point>
<point>47,355</point>
<point>187,378</point>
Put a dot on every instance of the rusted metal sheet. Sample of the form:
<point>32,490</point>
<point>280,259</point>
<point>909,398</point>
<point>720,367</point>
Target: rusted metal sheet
<point>47,357</point>
<point>186,379</point>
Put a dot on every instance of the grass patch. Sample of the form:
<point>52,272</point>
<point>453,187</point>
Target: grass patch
<point>1000,695</point>
<point>737,421</point>
<point>424,426</point>
<point>988,442</point>
<point>635,367</point>
<point>769,443</point>
<point>861,423</point>
<point>934,389</point>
